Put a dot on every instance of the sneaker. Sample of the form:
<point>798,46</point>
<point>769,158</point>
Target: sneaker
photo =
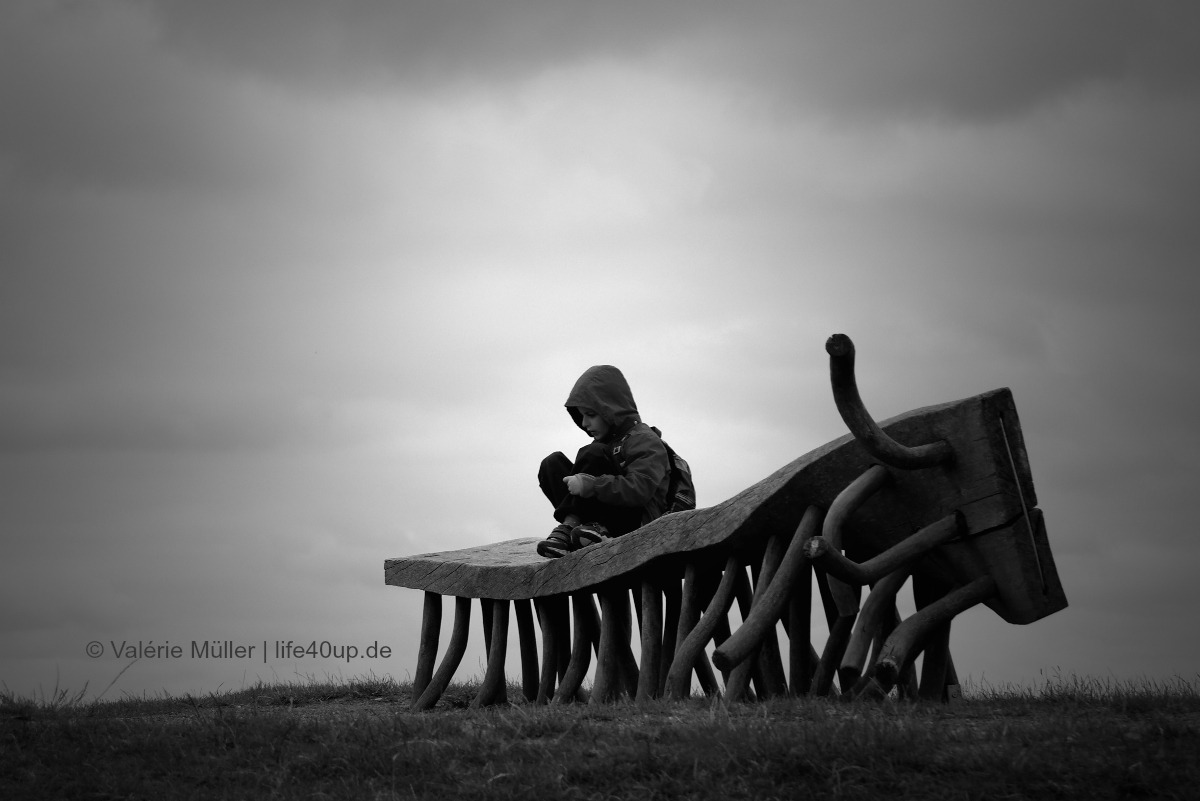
<point>589,534</point>
<point>559,543</point>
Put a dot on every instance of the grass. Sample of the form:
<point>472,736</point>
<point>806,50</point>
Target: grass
<point>1069,738</point>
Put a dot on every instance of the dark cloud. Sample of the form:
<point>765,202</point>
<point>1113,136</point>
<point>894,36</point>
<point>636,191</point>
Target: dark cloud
<point>934,57</point>
<point>318,45</point>
<point>91,99</point>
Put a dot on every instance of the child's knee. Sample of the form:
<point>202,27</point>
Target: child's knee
<point>556,462</point>
<point>594,460</point>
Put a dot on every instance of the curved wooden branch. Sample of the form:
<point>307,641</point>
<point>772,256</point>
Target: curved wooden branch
<point>695,590</point>
<point>494,689</point>
<point>768,606</point>
<point>553,618</point>
<point>863,426</point>
<point>876,610</point>
<point>845,504</point>
<point>686,654</point>
<point>672,606</point>
<point>835,646</point>
<point>821,551</point>
<point>737,685</point>
<point>581,647</point>
<point>901,645</point>
<point>485,616</point>
<point>529,654</point>
<point>771,682</point>
<point>454,654</point>
<point>431,629</point>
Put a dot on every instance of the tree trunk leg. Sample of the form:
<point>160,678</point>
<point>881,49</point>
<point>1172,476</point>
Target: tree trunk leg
<point>737,687</point>
<point>689,613</point>
<point>627,665</point>
<point>450,661</point>
<point>494,689</point>
<point>689,652</point>
<point>936,646</point>
<point>901,646</point>
<point>651,637</point>
<point>581,648</point>
<point>933,664</point>
<point>672,605</point>
<point>606,683</point>
<point>878,610</point>
<point>529,654</point>
<point>799,629</point>
<point>720,635</point>
<point>835,646</point>
<point>485,614</point>
<point>770,664</point>
<point>431,630</point>
<point>770,596</point>
<point>550,638</point>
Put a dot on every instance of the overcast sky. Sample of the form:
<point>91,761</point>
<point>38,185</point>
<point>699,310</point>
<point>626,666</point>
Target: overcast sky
<point>293,288</point>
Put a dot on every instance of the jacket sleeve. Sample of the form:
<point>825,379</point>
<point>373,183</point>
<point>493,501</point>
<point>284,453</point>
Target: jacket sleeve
<point>647,468</point>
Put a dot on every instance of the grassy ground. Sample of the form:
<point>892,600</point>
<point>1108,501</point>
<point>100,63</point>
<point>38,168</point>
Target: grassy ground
<point>1069,739</point>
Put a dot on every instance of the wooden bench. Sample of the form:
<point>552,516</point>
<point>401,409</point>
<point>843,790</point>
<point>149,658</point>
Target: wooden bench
<point>956,513</point>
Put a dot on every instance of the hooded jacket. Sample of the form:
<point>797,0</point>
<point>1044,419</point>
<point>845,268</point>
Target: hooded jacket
<point>641,466</point>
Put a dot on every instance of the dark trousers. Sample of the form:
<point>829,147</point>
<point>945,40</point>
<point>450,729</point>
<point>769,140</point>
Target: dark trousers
<point>594,460</point>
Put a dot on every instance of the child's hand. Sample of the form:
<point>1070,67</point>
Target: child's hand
<point>581,484</point>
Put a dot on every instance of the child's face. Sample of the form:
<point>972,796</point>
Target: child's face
<point>593,423</point>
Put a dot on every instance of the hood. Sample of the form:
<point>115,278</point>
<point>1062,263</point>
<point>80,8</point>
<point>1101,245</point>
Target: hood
<point>605,390</point>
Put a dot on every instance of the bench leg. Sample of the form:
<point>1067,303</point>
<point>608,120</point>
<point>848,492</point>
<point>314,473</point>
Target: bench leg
<point>876,611</point>
<point>529,655</point>
<point>737,687</point>
<point>616,667</point>
<point>689,651</point>
<point>651,634</point>
<point>581,647</point>
<point>554,618</point>
<point>900,648</point>
<point>431,628</point>
<point>454,654</point>
<point>494,689</point>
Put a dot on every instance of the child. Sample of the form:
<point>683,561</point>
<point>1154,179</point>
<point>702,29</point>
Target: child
<point>618,482</point>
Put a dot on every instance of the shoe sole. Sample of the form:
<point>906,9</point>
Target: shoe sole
<point>552,550</point>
